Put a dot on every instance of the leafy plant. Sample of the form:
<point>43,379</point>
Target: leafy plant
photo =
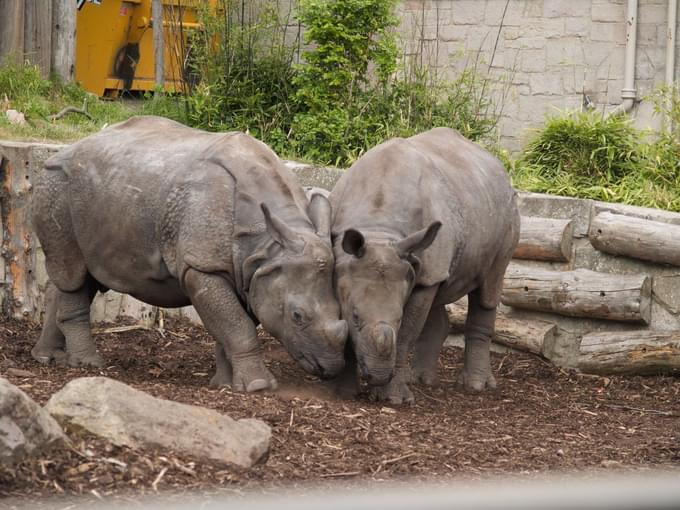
<point>606,158</point>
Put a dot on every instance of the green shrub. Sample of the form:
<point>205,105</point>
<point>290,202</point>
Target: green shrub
<point>586,145</point>
<point>605,158</point>
<point>244,59</point>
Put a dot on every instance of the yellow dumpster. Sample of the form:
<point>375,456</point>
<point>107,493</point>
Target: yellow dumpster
<point>114,44</point>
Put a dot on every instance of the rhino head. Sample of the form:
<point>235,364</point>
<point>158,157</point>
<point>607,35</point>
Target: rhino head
<point>374,279</point>
<point>292,295</point>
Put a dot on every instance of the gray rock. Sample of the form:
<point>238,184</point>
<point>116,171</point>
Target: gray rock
<point>130,417</point>
<point>25,428</point>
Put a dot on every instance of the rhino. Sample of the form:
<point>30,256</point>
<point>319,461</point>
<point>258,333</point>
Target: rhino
<point>419,223</point>
<point>175,216</point>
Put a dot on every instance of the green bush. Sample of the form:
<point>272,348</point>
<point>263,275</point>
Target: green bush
<point>348,93</point>
<point>605,158</point>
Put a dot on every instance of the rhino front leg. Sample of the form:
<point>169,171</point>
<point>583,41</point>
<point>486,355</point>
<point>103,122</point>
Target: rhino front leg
<point>429,345</point>
<point>479,328</point>
<point>416,312</point>
<point>227,321</point>
<point>223,373</point>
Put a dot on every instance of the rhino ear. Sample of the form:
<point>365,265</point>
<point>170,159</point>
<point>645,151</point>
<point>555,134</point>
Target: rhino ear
<point>282,233</point>
<point>319,211</point>
<point>418,241</point>
<point>353,242</point>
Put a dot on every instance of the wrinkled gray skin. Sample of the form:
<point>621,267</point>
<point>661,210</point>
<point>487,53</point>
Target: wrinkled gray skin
<point>417,224</point>
<point>176,216</point>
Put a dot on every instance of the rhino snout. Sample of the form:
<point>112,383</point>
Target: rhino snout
<point>336,333</point>
<point>385,339</point>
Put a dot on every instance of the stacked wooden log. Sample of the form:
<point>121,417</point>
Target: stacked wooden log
<point>583,293</point>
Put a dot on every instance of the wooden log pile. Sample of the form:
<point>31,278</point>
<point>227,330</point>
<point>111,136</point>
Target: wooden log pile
<point>579,293</point>
<point>630,352</point>
<point>545,239</point>
<point>521,334</point>
<point>635,237</point>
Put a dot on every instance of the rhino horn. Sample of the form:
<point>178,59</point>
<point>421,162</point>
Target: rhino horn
<point>282,233</point>
<point>319,211</point>
<point>418,240</point>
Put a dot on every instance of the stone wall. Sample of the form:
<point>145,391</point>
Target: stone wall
<point>541,55</point>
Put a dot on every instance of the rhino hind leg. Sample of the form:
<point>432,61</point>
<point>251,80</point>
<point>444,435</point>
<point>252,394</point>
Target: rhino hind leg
<point>51,346</point>
<point>227,321</point>
<point>479,328</point>
<point>223,372</point>
<point>429,345</point>
<point>73,320</point>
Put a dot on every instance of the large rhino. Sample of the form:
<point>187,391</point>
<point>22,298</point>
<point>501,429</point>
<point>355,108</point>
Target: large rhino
<point>176,216</point>
<point>419,223</point>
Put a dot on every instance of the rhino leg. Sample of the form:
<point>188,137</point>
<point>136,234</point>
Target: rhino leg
<point>227,321</point>
<point>416,312</point>
<point>429,345</point>
<point>223,372</point>
<point>51,346</point>
<point>73,320</point>
<point>479,328</point>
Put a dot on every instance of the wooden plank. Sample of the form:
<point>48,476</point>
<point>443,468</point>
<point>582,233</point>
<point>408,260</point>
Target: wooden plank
<point>11,29</point>
<point>545,239</point>
<point>521,334</point>
<point>63,38</point>
<point>38,33</point>
<point>630,352</point>
<point>636,237</point>
<point>579,293</point>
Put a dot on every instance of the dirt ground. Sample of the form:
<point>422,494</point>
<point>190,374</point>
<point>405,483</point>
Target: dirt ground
<point>541,419</point>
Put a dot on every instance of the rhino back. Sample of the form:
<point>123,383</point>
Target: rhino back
<point>403,185</point>
<point>149,192</point>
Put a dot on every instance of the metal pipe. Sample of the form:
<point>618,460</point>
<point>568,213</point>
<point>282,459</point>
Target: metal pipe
<point>670,41</point>
<point>629,93</point>
<point>158,42</point>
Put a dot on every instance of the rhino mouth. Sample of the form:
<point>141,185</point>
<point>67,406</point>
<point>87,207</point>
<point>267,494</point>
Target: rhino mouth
<point>375,376</point>
<point>322,370</point>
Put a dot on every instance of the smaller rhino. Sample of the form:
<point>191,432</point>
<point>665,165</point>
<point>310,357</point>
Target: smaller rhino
<point>418,223</point>
<point>176,216</point>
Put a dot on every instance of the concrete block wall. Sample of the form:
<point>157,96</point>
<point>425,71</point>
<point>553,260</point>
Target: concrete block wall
<point>541,55</point>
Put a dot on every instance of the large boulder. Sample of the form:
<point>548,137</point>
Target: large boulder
<point>25,428</point>
<point>129,417</point>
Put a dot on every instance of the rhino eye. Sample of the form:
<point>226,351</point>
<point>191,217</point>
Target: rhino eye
<point>355,319</point>
<point>299,317</point>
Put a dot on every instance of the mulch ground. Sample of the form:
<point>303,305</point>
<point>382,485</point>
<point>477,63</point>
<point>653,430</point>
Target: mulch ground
<point>541,419</point>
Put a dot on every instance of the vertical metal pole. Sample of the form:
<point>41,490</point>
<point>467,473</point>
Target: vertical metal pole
<point>158,43</point>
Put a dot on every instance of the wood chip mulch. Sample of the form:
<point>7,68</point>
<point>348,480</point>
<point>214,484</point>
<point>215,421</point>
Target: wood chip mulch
<point>541,419</point>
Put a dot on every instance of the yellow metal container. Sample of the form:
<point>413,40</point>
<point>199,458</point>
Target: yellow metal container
<point>114,44</point>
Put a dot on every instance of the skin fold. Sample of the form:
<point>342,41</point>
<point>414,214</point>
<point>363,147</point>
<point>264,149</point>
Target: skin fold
<point>419,223</point>
<point>176,216</point>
